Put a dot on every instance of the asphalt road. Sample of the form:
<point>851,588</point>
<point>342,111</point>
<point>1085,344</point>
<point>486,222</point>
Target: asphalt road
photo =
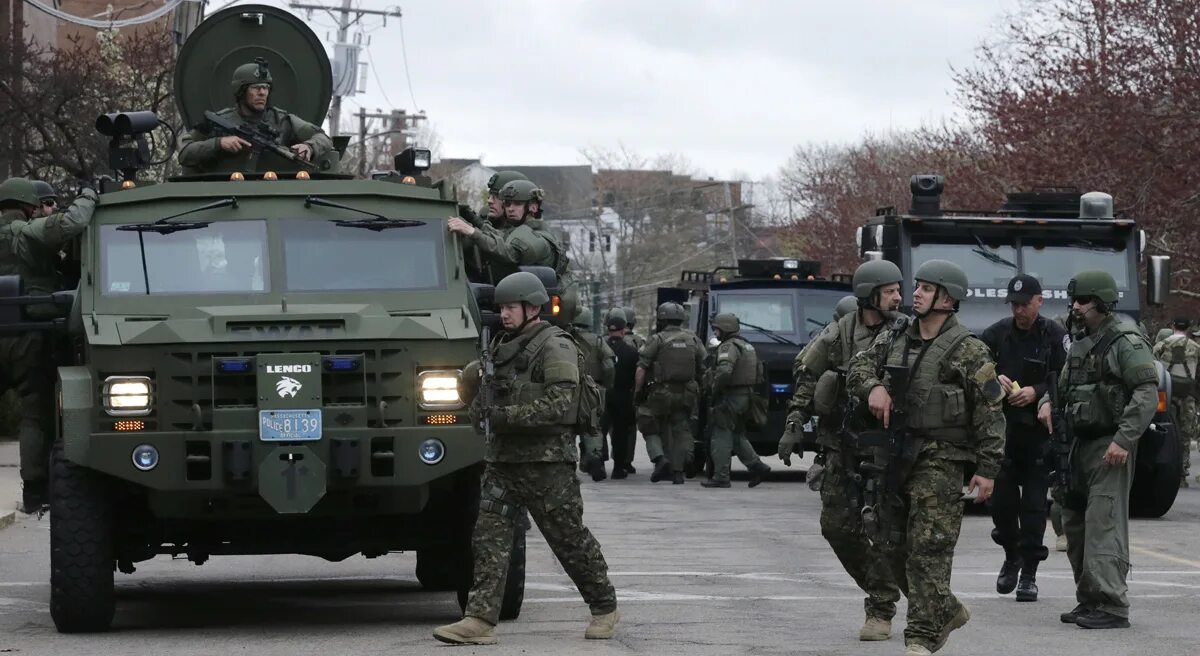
<point>697,571</point>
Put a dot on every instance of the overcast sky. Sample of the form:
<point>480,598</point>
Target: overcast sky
<point>730,86</point>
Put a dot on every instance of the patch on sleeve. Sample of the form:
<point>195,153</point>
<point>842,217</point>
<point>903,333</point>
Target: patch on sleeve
<point>985,377</point>
<point>1143,374</point>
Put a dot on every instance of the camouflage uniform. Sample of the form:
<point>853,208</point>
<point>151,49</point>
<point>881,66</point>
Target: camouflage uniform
<point>530,463</point>
<point>29,248</point>
<point>821,366</point>
<point>731,383</point>
<point>200,151</point>
<point>674,360</point>
<point>1183,356</point>
<point>955,413</point>
<point>1110,392</point>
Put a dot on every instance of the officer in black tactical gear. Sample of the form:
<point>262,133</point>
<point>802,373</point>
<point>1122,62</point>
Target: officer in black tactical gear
<point>619,415</point>
<point>1026,347</point>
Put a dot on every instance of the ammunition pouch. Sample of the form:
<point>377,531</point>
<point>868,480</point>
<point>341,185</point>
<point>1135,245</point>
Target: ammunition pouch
<point>491,500</point>
<point>825,396</point>
<point>1092,409</point>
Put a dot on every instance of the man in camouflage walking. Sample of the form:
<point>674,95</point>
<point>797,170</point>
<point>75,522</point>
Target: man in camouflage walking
<point>671,362</point>
<point>530,462</point>
<point>951,427</point>
<point>821,392</point>
<point>1182,355</point>
<point>1109,393</point>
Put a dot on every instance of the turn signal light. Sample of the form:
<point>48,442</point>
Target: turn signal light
<point>1162,401</point>
<point>440,420</point>
<point>127,425</point>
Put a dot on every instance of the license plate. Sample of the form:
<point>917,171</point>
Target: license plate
<point>289,425</point>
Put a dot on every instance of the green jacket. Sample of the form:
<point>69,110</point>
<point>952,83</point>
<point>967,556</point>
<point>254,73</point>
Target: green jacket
<point>963,379</point>
<point>505,250</point>
<point>30,247</point>
<point>598,357</point>
<point>537,377</point>
<point>736,366</point>
<point>200,152</point>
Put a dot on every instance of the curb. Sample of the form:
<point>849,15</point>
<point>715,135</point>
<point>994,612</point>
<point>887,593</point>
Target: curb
<point>7,518</point>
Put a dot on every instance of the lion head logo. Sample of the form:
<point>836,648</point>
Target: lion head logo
<point>287,386</point>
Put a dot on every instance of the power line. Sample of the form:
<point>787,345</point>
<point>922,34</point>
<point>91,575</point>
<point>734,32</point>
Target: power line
<point>404,56</point>
<point>375,73</point>
<point>109,24</point>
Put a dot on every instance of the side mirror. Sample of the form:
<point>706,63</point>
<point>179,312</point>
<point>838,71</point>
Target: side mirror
<point>1158,279</point>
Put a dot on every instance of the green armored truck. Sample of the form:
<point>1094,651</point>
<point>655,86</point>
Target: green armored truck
<point>264,362</point>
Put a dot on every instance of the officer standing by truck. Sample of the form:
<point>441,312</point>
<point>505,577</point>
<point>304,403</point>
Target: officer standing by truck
<point>525,242</point>
<point>947,418</point>
<point>530,462</point>
<point>732,381</point>
<point>1182,355</point>
<point>821,392</point>
<point>671,363</point>
<point>1109,392</point>
<point>1026,347</point>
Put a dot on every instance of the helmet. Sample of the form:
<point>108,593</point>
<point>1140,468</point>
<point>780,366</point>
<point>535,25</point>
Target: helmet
<point>946,274</point>
<point>44,190</point>
<point>615,319</point>
<point>256,72</point>
<point>20,190</point>
<point>521,190</point>
<point>845,306</point>
<point>875,273</point>
<point>671,312</point>
<point>630,316</point>
<point>521,287</point>
<point>583,318</point>
<point>501,178</point>
<point>727,322</point>
<point>1093,283</point>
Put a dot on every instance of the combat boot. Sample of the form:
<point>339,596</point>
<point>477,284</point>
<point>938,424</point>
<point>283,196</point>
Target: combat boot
<point>1027,589</point>
<point>875,628</point>
<point>1098,619</point>
<point>677,478</point>
<point>619,473</point>
<point>662,470</point>
<point>467,631</point>
<point>1070,616</point>
<point>916,650</point>
<point>596,469</point>
<point>1006,582</point>
<point>713,483</point>
<point>959,620</point>
<point>33,496</point>
<point>629,468</point>
<point>602,627</point>
<point>758,472</point>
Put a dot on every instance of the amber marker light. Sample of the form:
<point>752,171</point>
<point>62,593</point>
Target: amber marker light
<point>128,184</point>
<point>270,175</point>
<point>236,176</point>
<point>303,175</point>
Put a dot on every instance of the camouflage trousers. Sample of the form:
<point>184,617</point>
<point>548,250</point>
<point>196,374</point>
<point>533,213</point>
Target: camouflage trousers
<point>1095,516</point>
<point>550,491</point>
<point>1184,411</point>
<point>842,527</point>
<point>25,368</point>
<point>729,434</point>
<point>931,511</point>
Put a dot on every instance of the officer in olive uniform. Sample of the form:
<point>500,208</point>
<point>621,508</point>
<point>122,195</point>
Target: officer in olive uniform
<point>1109,392</point>
<point>47,196</point>
<point>731,383</point>
<point>954,432</point>
<point>1182,355</point>
<point>671,363</point>
<point>523,242</point>
<point>599,363</point>
<point>29,247</point>
<point>821,391</point>
<point>202,152</point>
<point>495,205</point>
<point>530,462</point>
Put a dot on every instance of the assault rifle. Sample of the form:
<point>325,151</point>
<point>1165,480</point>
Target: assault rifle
<point>261,138</point>
<point>894,452</point>
<point>1062,437</point>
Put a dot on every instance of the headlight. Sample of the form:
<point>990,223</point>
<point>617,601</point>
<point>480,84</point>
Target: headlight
<point>127,395</point>
<point>439,390</point>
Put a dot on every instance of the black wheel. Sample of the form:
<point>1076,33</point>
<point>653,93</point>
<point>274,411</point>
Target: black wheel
<point>444,568</point>
<point>514,584</point>
<point>1158,469</point>
<point>81,548</point>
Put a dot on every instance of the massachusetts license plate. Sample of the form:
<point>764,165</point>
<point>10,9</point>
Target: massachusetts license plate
<point>289,425</point>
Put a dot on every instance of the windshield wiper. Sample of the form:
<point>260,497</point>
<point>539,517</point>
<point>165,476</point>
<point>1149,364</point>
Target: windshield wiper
<point>164,226</point>
<point>776,337</point>
<point>377,222</point>
<point>990,255</point>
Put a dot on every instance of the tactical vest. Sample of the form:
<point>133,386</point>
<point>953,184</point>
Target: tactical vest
<point>745,372</point>
<point>1094,397</point>
<point>936,404</point>
<point>589,346</point>
<point>515,376</point>
<point>1182,368</point>
<point>675,361</point>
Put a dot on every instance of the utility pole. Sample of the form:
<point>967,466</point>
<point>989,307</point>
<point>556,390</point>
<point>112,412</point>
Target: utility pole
<point>732,223</point>
<point>345,53</point>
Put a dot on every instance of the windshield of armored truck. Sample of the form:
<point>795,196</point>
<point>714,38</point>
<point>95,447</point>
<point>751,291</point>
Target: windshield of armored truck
<point>223,257</point>
<point>1054,265</point>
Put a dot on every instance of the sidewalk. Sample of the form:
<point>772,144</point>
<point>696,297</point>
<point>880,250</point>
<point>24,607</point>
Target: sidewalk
<point>10,481</point>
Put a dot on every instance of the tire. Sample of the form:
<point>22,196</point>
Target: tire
<point>1159,466</point>
<point>514,584</point>
<point>444,569</point>
<point>81,548</point>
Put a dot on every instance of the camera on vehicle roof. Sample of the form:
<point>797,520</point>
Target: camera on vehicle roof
<point>927,185</point>
<point>126,124</point>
